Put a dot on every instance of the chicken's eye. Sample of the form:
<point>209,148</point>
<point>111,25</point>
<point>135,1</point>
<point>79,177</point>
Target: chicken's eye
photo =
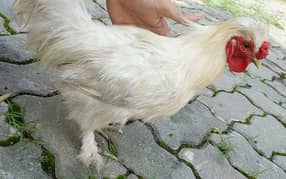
<point>246,45</point>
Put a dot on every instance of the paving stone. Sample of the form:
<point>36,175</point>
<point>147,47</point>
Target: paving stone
<point>280,160</point>
<point>102,4</point>
<point>61,136</point>
<point>139,152</point>
<point>210,16</point>
<point>6,9</point>
<point>268,106</point>
<point>189,126</point>
<point>13,47</point>
<point>246,159</point>
<point>262,73</point>
<point>21,161</point>
<point>25,78</point>
<point>230,107</point>
<point>95,10</point>
<point>113,169</point>
<point>266,90</point>
<point>278,86</point>
<point>207,11</point>
<point>206,92</point>
<point>210,159</point>
<point>132,176</point>
<point>228,81</point>
<point>278,56</point>
<point>6,130</point>
<point>266,133</point>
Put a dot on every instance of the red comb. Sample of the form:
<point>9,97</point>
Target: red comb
<point>263,51</point>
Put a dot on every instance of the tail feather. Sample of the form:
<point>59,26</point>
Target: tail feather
<point>50,21</point>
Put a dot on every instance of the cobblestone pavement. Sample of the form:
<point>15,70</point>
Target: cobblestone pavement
<point>234,129</point>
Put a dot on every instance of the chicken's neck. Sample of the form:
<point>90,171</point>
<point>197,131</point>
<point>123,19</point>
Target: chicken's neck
<point>204,56</point>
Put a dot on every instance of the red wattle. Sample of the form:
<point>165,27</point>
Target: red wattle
<point>238,65</point>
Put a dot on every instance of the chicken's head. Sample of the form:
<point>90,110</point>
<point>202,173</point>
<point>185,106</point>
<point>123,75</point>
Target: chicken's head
<point>251,46</point>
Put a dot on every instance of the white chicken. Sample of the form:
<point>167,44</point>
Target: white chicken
<point>109,74</point>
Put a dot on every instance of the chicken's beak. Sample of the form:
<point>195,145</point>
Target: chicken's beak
<point>257,63</point>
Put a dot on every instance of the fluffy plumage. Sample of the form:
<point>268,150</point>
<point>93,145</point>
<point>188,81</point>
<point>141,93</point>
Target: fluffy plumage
<point>109,74</point>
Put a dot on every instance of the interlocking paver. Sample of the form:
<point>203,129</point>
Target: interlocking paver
<point>231,106</point>
<point>243,157</point>
<point>209,159</point>
<point>137,150</point>
<point>21,161</point>
<point>189,126</point>
<point>266,133</point>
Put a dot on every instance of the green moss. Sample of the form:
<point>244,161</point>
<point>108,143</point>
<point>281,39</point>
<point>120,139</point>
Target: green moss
<point>164,145</point>
<point>7,24</point>
<point>121,177</point>
<point>112,148</point>
<point>196,173</point>
<point>47,160</point>
<point>93,177</point>
<point>15,118</point>
<point>10,141</point>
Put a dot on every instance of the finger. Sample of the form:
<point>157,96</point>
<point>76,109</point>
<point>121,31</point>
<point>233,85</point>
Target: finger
<point>192,17</point>
<point>160,28</point>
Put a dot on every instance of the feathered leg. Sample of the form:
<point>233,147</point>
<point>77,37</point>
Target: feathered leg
<point>89,150</point>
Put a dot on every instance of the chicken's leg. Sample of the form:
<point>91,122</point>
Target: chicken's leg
<point>89,151</point>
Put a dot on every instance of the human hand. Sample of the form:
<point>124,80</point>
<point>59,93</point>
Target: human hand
<point>148,14</point>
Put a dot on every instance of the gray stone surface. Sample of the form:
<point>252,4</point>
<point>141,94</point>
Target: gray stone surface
<point>209,159</point>
<point>139,152</point>
<point>95,10</point>
<point>228,81</point>
<point>266,90</point>
<point>277,56</point>
<point>189,126</point>
<point>132,176</point>
<point>266,133</point>
<point>113,169</point>
<point>280,160</point>
<point>21,161</point>
<point>27,78</point>
<point>263,73</point>
<point>13,48</point>
<point>248,160</point>
<point>278,86</point>
<point>230,107</point>
<point>268,106</point>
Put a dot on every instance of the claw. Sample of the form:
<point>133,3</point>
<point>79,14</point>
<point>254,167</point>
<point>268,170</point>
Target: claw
<point>107,154</point>
<point>113,129</point>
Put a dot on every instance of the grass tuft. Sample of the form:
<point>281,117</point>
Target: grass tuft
<point>47,160</point>
<point>112,148</point>
<point>15,118</point>
<point>7,24</point>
